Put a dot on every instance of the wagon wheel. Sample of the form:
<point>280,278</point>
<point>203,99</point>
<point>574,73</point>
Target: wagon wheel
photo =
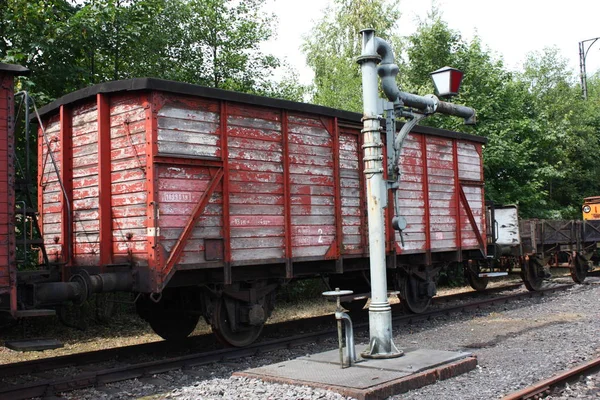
<point>73,315</point>
<point>411,300</point>
<point>579,270</point>
<point>533,274</point>
<point>478,283</point>
<point>165,316</point>
<point>172,327</point>
<point>244,335</point>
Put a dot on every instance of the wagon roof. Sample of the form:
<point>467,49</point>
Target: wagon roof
<point>220,94</point>
<point>15,69</point>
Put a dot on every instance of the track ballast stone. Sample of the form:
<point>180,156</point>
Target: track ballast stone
<point>517,344</point>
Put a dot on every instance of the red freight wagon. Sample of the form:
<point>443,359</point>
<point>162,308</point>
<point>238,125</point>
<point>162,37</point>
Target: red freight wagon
<point>205,201</point>
<point>8,264</point>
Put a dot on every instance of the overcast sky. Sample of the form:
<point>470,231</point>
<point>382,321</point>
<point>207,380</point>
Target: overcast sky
<point>511,28</point>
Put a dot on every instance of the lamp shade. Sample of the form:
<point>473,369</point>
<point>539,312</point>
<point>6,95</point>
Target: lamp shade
<point>447,81</point>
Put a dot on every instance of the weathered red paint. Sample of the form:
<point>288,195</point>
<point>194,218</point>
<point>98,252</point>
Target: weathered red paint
<point>339,235</point>
<point>105,179</point>
<point>227,278</point>
<point>190,224</point>
<point>471,216</point>
<point>66,176</point>
<point>425,177</point>
<point>456,203</point>
<point>152,223</point>
<point>287,198</point>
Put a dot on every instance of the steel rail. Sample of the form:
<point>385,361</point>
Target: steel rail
<point>545,386</point>
<point>110,375</point>
<point>79,359</point>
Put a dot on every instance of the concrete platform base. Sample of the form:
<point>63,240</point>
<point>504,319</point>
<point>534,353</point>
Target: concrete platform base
<point>368,379</point>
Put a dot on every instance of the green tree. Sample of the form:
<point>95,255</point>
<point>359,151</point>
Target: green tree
<point>224,38</point>
<point>503,105</point>
<point>542,150</point>
<point>332,48</point>
<point>567,152</point>
<point>72,44</point>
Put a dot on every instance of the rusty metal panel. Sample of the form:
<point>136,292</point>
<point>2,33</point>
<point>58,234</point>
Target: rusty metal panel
<point>557,232</point>
<point>590,230</point>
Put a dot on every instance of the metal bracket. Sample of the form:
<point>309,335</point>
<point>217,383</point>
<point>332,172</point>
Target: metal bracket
<point>399,140</point>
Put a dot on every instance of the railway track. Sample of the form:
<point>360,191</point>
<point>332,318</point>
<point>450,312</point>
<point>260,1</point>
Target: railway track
<point>547,386</point>
<point>51,386</point>
<point>199,342</point>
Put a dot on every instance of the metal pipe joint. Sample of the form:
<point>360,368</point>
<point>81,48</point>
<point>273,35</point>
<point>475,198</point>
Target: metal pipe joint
<point>379,51</point>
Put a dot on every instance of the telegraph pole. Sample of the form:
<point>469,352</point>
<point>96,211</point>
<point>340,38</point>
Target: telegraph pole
<point>583,50</point>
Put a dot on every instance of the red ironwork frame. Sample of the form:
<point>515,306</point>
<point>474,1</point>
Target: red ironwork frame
<point>66,176</point>
<point>425,176</point>
<point>104,179</point>
<point>389,211</point>
<point>457,188</point>
<point>227,278</point>
<point>337,201</point>
<point>463,198</point>
<point>287,201</point>
<point>152,227</point>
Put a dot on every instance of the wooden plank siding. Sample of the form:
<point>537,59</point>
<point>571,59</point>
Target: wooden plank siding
<point>470,168</point>
<point>128,178</point>
<point>256,187</point>
<point>353,214</point>
<point>49,190</point>
<point>440,194</point>
<point>411,203</point>
<point>85,201</point>
<point>312,186</point>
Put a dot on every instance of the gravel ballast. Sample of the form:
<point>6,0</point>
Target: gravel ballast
<point>517,344</point>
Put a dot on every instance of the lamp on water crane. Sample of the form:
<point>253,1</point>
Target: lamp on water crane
<point>447,81</point>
